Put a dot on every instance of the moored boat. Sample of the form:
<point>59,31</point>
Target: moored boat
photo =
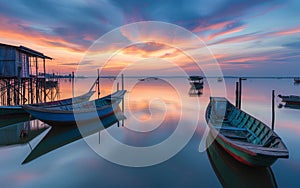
<point>13,110</point>
<point>80,112</point>
<point>297,80</point>
<point>247,139</point>
<point>290,100</point>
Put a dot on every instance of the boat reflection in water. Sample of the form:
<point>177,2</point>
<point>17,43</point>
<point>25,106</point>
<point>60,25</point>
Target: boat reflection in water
<point>21,133</point>
<point>232,173</point>
<point>60,136</point>
<point>7,120</point>
<point>195,91</point>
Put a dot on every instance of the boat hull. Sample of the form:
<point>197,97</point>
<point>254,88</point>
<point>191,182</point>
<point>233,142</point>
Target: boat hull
<point>72,118</point>
<point>250,159</point>
<point>12,110</point>
<point>242,136</point>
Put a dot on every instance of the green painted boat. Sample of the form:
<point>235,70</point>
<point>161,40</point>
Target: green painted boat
<point>232,173</point>
<point>244,137</point>
<point>60,136</point>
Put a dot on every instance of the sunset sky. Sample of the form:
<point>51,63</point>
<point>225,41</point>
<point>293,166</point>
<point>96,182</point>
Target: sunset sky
<point>249,38</point>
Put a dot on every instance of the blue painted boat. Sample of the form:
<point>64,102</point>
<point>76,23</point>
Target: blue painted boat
<point>79,112</point>
<point>247,139</point>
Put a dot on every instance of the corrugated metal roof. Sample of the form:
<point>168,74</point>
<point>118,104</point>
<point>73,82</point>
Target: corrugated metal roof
<point>28,51</point>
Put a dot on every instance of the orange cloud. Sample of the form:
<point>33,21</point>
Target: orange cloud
<point>227,32</point>
<point>216,26</point>
<point>246,59</point>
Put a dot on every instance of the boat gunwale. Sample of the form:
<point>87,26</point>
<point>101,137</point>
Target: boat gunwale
<point>88,110</point>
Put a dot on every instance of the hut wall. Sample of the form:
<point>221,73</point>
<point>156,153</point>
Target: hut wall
<point>22,62</point>
<point>7,61</point>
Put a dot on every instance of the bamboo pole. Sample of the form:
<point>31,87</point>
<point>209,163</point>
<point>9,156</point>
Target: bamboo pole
<point>273,109</point>
<point>237,94</point>
<point>123,99</point>
<point>240,93</point>
<point>98,84</point>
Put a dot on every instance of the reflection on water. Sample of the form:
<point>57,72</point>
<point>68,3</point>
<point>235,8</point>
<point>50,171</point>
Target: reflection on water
<point>60,136</point>
<point>151,105</point>
<point>12,119</point>
<point>195,91</point>
<point>232,173</point>
<point>21,133</point>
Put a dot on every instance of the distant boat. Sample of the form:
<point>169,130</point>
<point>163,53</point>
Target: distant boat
<point>148,78</point>
<point>297,80</point>
<point>244,137</point>
<point>196,78</point>
<point>196,82</point>
<point>13,110</point>
<point>220,79</point>
<point>232,173</point>
<point>291,100</point>
<point>80,112</point>
<point>58,136</point>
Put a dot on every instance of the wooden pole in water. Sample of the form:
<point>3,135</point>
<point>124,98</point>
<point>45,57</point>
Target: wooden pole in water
<point>36,81</point>
<point>8,92</point>
<point>118,123</point>
<point>122,81</point>
<point>72,84</point>
<point>123,99</point>
<point>98,83</point>
<point>273,109</point>
<point>44,66</point>
<point>237,94</point>
<point>240,93</point>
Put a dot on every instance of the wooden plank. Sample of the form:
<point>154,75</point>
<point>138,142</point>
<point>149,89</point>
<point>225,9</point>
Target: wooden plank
<point>231,128</point>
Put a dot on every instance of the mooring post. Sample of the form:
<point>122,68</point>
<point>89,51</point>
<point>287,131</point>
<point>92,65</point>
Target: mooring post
<point>118,86</point>
<point>123,99</point>
<point>45,93</point>
<point>36,81</point>
<point>237,94</point>
<point>98,83</point>
<point>8,92</point>
<point>73,84</point>
<point>240,93</point>
<point>273,109</point>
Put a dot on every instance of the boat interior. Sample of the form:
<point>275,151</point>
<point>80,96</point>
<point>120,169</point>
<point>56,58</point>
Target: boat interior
<point>240,126</point>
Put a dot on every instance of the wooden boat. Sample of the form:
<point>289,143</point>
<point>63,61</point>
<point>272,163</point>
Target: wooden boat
<point>19,133</point>
<point>291,100</point>
<point>244,137</point>
<point>60,136</point>
<point>80,112</point>
<point>12,110</point>
<point>232,173</point>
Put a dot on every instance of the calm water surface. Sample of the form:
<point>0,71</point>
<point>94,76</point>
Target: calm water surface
<point>155,107</point>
